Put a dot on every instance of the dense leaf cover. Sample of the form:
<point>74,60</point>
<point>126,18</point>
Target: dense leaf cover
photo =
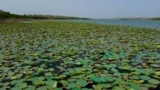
<point>63,55</point>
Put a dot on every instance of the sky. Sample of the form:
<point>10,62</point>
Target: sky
<point>84,8</point>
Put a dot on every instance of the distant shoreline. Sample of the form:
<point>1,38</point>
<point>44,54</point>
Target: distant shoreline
<point>155,18</point>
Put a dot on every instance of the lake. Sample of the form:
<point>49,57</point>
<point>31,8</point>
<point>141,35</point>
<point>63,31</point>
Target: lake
<point>135,23</point>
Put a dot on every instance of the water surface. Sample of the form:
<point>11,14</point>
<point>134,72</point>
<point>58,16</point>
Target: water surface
<point>135,23</point>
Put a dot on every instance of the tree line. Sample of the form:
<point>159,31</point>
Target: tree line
<point>7,15</point>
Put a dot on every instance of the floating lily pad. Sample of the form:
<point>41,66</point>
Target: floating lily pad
<point>135,86</point>
<point>21,85</point>
<point>42,88</point>
<point>144,77</point>
<point>15,88</point>
<point>134,77</point>
<point>38,82</point>
<point>157,73</point>
<point>71,85</point>
<point>30,87</point>
<point>118,88</point>
<point>154,81</point>
<point>81,83</point>
<point>98,79</point>
<point>48,74</point>
<point>155,65</point>
<point>52,83</point>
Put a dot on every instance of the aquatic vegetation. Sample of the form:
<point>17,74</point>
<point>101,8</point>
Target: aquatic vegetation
<point>63,55</point>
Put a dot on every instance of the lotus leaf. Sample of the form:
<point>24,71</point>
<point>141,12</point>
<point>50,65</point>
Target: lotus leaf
<point>118,88</point>
<point>42,88</point>
<point>81,83</point>
<point>30,87</point>
<point>6,84</point>
<point>76,89</point>
<point>144,77</point>
<point>139,81</point>
<point>64,83</point>
<point>41,78</point>
<point>155,65</point>
<point>48,74</point>
<point>135,86</point>
<point>157,73</point>
<point>14,88</point>
<point>86,89</point>
<point>97,87</point>
<point>71,85</point>
<point>52,83</point>
<point>134,77</point>
<point>21,85</point>
<point>154,81</point>
<point>38,82</point>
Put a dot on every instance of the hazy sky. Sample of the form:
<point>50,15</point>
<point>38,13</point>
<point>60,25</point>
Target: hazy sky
<point>85,8</point>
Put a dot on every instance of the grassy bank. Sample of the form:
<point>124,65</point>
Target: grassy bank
<point>63,55</point>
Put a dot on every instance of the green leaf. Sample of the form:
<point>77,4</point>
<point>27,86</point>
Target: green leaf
<point>48,74</point>
<point>14,88</point>
<point>118,88</point>
<point>134,77</point>
<point>155,65</point>
<point>157,73</point>
<point>64,82</point>
<point>144,77</point>
<point>109,79</point>
<point>6,84</point>
<point>81,83</point>
<point>41,70</point>
<point>134,86</point>
<point>97,87</point>
<point>110,56</point>
<point>119,81</point>
<point>154,81</point>
<point>42,88</point>
<point>30,87</point>
<point>102,79</point>
<point>71,85</point>
<point>52,83</point>
<point>139,71</point>
<point>21,85</point>
<point>38,82</point>
<point>86,89</point>
<point>79,70</point>
<point>41,78</point>
<point>98,79</point>
<point>19,76</point>
<point>76,89</point>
